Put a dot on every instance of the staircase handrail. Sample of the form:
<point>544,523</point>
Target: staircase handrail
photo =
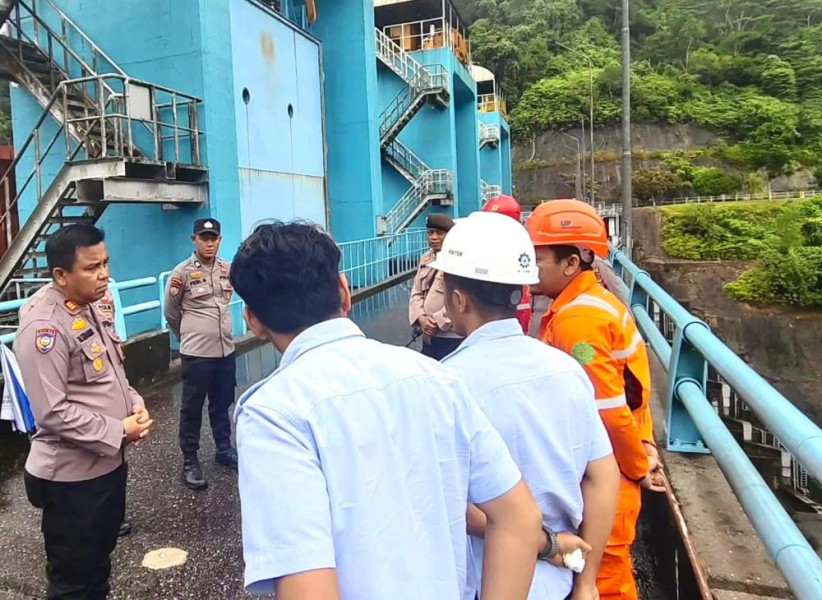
<point>489,132</point>
<point>433,181</point>
<point>403,155</point>
<point>388,49</point>
<point>489,190</point>
<point>431,78</point>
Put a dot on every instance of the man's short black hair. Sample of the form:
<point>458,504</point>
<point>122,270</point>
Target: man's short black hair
<point>62,245</point>
<point>499,299</point>
<point>562,252</point>
<point>288,275</point>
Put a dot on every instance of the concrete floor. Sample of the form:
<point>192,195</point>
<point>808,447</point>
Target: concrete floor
<point>165,514</point>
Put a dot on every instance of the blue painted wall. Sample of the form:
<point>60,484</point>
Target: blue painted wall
<point>469,196</point>
<point>346,30</point>
<point>278,108</point>
<point>505,152</point>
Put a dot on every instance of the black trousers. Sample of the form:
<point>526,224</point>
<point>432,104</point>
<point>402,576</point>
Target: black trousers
<point>215,378</point>
<point>440,347</point>
<point>81,520</point>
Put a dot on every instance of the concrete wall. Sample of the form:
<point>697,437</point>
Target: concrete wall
<point>346,30</point>
<point>780,343</point>
<point>279,118</point>
<point>467,176</point>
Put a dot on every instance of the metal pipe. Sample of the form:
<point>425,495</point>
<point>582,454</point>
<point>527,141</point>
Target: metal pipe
<point>627,217</point>
<point>783,541</point>
<point>141,307</point>
<point>652,333</point>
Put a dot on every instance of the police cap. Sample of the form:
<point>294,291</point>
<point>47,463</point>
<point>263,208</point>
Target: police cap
<point>206,226</point>
<point>439,221</point>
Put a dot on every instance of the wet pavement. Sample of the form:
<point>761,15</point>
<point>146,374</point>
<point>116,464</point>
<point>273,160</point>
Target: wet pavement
<point>205,524</point>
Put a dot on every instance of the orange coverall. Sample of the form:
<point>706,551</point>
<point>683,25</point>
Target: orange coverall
<point>592,325</point>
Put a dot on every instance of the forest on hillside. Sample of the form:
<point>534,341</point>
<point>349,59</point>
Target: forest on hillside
<point>748,70</point>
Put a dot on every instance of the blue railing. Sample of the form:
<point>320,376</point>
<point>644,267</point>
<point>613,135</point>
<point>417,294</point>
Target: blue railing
<point>365,263</point>
<point>693,424</point>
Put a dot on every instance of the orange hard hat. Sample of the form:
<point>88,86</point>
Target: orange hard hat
<point>568,223</point>
<point>506,205</point>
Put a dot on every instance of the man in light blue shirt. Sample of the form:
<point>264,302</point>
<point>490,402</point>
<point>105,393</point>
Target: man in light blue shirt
<point>537,397</point>
<point>357,459</point>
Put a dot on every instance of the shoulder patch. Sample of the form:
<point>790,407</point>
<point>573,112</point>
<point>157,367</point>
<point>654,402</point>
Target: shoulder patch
<point>44,340</point>
<point>583,352</point>
<point>426,258</point>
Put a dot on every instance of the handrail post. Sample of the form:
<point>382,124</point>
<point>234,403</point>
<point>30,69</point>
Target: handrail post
<point>119,318</point>
<point>687,364</point>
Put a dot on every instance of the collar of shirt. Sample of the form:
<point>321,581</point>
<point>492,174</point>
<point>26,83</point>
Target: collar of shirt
<point>196,261</point>
<point>319,335</point>
<point>583,282</point>
<point>491,331</point>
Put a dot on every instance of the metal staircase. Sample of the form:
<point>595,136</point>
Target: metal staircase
<point>116,139</point>
<point>489,191</point>
<point>423,84</point>
<point>489,135</point>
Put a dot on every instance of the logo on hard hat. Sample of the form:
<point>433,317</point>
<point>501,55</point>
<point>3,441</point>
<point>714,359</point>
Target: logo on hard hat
<point>524,260</point>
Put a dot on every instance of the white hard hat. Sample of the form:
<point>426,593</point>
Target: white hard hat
<point>489,247</point>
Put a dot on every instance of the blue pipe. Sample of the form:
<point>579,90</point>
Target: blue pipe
<point>783,541</point>
<point>795,431</point>
<point>654,336</point>
<point>141,307</point>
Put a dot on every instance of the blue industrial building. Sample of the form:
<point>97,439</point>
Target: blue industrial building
<point>360,115</point>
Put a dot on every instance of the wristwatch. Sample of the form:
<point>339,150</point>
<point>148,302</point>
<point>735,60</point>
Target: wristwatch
<point>552,547</point>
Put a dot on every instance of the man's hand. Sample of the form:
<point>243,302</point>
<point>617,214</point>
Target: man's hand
<point>568,542</point>
<point>135,430</point>
<point>653,456</point>
<point>428,324</point>
<point>584,591</point>
<point>142,414</point>
<point>653,481</point>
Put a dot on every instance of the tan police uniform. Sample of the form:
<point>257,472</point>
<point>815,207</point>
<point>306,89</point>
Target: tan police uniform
<point>71,361</point>
<point>197,308</point>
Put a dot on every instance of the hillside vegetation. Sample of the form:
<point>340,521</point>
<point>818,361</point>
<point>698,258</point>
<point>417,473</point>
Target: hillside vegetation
<point>783,239</point>
<point>748,70</point>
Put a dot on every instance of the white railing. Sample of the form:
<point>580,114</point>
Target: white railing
<point>489,191</point>
<point>489,134</point>
<point>409,161</point>
<point>790,195</point>
<point>395,58</point>
<point>433,182</point>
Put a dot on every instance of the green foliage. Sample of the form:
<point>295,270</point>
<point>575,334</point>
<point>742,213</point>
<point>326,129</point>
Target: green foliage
<point>783,238</point>
<point>746,69</point>
<point>653,184</point>
<point>711,181</point>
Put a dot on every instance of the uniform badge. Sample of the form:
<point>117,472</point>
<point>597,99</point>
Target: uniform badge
<point>96,348</point>
<point>196,275</point>
<point>78,324</point>
<point>197,264</point>
<point>85,335</point>
<point>227,295</point>
<point>583,352</point>
<point>72,307</point>
<point>44,340</point>
<point>97,364</point>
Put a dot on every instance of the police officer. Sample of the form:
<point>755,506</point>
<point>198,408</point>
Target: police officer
<point>71,362</point>
<point>197,310</point>
<point>426,307</point>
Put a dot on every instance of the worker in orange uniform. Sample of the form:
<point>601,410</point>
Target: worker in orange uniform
<point>508,205</point>
<point>592,325</point>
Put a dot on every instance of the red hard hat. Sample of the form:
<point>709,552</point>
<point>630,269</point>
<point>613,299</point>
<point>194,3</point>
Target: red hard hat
<point>507,205</point>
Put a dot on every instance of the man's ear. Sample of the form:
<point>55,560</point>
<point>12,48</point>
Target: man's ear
<point>255,325</point>
<point>345,293</point>
<point>59,276</point>
<point>574,263</point>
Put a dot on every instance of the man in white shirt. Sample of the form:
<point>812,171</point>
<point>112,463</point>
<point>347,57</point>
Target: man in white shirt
<point>357,459</point>
<point>538,398</point>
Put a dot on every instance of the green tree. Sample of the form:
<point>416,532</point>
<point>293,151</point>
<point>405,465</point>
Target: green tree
<point>711,181</point>
<point>654,184</point>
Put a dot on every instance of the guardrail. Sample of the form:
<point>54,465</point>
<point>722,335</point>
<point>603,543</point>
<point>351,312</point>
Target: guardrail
<point>365,262</point>
<point>694,425</point>
<point>793,195</point>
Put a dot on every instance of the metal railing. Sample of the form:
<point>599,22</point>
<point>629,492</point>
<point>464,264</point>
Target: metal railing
<point>372,261</point>
<point>429,34</point>
<point>488,134</point>
<point>488,103</point>
<point>789,195</point>
<point>489,191</point>
<point>435,182</point>
<point>694,425</point>
<point>402,155</point>
<point>432,79</point>
<point>395,58</point>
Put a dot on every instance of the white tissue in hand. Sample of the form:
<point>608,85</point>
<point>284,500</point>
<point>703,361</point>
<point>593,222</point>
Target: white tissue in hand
<point>574,561</point>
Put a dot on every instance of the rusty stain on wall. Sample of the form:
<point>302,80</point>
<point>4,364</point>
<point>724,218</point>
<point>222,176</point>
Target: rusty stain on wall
<point>267,47</point>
